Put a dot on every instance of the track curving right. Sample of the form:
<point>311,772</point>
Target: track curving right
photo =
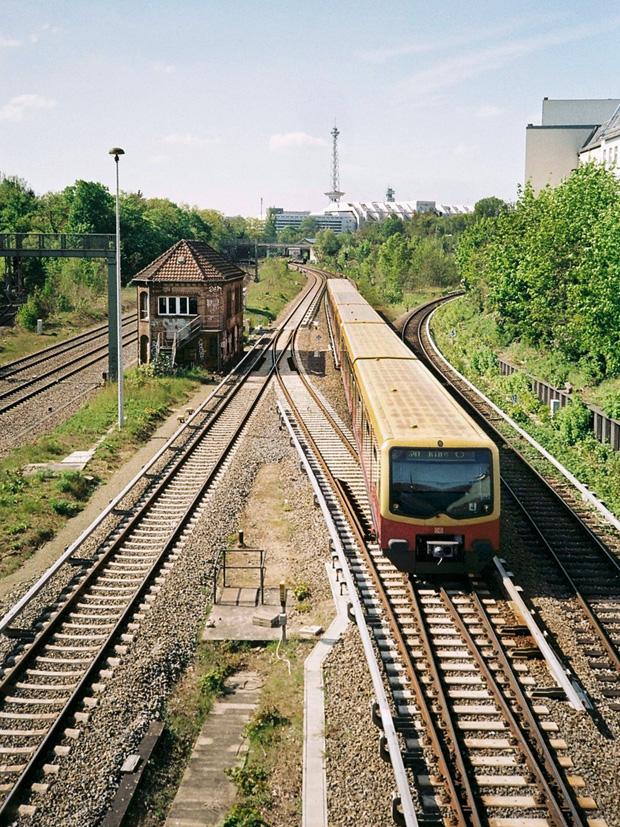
<point>447,675</point>
<point>586,564</point>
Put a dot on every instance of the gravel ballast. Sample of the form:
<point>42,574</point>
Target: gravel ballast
<point>166,638</point>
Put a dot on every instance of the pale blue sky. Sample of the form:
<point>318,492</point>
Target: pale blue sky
<point>217,103</point>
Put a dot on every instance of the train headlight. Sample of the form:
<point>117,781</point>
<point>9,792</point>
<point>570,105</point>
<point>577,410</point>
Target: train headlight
<point>442,549</point>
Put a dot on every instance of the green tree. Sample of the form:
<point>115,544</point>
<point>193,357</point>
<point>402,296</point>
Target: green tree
<point>270,232</point>
<point>17,205</point>
<point>288,235</point>
<point>327,244</point>
<point>549,267</point>
<point>309,227</point>
<point>489,207</point>
<point>90,208</point>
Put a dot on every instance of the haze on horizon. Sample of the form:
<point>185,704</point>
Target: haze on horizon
<point>217,104</point>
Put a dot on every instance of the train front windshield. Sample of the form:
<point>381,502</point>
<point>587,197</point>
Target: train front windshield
<point>425,482</point>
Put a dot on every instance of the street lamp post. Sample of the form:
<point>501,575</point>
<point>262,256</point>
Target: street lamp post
<point>117,152</point>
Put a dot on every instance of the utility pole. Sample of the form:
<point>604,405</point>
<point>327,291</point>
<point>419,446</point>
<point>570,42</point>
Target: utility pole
<point>116,311</point>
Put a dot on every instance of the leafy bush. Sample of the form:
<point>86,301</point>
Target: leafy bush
<point>213,680</point>
<point>611,405</point>
<point>76,484</point>
<point>18,528</point>
<point>32,310</point>
<point>243,815</point>
<point>484,360</point>
<point>162,365</point>
<point>573,422</point>
<point>301,590</point>
<point>518,393</point>
<point>250,781</point>
<point>12,482</point>
<point>66,508</point>
<point>264,722</point>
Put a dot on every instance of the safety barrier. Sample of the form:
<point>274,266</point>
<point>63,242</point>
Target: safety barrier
<point>605,429</point>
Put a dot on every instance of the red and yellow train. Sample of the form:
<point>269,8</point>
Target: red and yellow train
<point>432,474</point>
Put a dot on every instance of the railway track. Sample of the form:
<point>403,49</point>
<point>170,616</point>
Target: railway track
<point>52,373</point>
<point>584,564</point>
<point>477,750</point>
<point>51,680</point>
<point>9,369</point>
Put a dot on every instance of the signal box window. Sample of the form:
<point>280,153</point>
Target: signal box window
<point>177,306</point>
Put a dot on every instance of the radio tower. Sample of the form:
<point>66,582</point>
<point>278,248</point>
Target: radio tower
<point>335,195</point>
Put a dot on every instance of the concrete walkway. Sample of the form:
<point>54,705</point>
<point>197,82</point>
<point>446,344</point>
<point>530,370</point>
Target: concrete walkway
<point>206,794</point>
<point>314,806</point>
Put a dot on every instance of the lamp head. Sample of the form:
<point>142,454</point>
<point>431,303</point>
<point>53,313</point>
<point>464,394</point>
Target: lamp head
<point>116,151</point>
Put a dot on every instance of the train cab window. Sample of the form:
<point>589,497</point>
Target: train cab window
<point>426,482</point>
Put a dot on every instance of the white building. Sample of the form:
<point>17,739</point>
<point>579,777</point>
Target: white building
<point>364,212</point>
<point>603,146</point>
<point>350,216</point>
<point>332,220</point>
<point>553,149</point>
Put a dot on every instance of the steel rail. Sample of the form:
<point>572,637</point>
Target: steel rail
<point>57,349</point>
<point>530,725</point>
<point>471,812</point>
<point>604,638</point>
<point>575,694</point>
<point>385,712</point>
<point>10,802</point>
<point>611,649</point>
<point>128,339</point>
<point>555,808</point>
<point>256,352</point>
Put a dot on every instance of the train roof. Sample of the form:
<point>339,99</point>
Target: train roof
<point>373,341</point>
<point>342,291</point>
<point>342,287</point>
<point>358,314</point>
<point>406,403</point>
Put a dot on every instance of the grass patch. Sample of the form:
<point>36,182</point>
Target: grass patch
<point>267,297</point>
<point>269,782</point>
<point>410,300</point>
<point>471,341</point>
<point>16,342</point>
<point>33,507</point>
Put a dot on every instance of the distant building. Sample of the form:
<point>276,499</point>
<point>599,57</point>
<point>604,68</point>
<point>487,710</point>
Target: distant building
<point>554,149</point>
<point>190,307</point>
<point>364,212</point>
<point>350,216</point>
<point>339,223</point>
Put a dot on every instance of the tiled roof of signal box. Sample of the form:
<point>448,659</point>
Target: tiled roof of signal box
<point>190,261</point>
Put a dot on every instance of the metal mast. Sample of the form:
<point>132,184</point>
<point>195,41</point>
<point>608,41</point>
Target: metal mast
<point>335,195</point>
